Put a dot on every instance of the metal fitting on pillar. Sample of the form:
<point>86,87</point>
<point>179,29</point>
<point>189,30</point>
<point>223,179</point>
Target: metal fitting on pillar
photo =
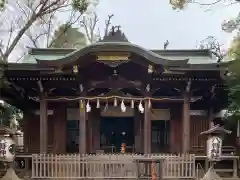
<point>123,148</point>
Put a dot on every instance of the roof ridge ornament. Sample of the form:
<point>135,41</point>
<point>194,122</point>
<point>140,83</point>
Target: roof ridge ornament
<point>115,35</point>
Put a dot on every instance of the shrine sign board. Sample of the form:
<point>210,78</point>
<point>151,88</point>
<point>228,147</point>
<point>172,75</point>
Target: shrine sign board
<point>113,56</point>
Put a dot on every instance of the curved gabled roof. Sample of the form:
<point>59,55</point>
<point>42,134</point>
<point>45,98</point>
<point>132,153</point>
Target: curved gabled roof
<point>113,46</point>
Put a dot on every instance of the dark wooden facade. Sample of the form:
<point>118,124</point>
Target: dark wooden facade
<point>115,70</point>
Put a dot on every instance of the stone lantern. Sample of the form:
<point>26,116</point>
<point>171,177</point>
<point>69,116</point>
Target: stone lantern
<point>7,149</point>
<point>214,142</point>
<point>7,155</point>
<point>214,149</point>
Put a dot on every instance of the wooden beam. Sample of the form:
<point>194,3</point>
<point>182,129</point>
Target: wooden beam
<point>40,86</point>
<point>128,99</point>
<point>114,81</point>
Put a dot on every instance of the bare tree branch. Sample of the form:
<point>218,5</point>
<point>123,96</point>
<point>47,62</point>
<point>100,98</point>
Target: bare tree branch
<point>21,57</point>
<point>206,4</point>
<point>28,15</point>
<point>212,44</point>
<point>19,35</point>
<point>34,40</point>
<point>108,23</point>
<point>68,25</point>
<point>22,9</point>
<point>89,25</point>
<point>181,4</point>
<point>1,53</point>
<point>10,36</point>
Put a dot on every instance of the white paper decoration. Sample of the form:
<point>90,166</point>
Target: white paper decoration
<point>123,107</point>
<point>88,107</point>
<point>140,107</point>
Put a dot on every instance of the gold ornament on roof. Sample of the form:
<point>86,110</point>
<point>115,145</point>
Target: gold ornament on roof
<point>58,70</point>
<point>113,58</point>
<point>150,69</point>
<point>81,105</point>
<point>75,69</point>
<point>166,70</point>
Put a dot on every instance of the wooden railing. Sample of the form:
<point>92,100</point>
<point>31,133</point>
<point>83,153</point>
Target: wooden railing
<point>23,150</point>
<point>226,150</point>
<point>109,166</point>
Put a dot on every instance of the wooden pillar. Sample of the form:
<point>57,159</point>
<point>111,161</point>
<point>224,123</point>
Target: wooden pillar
<point>96,128</point>
<point>147,129</point>
<point>90,133</point>
<point>137,131</point>
<point>43,125</point>
<point>186,124</point>
<point>82,127</point>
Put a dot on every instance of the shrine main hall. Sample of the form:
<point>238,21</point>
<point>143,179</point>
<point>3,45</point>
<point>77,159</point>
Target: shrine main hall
<point>111,92</point>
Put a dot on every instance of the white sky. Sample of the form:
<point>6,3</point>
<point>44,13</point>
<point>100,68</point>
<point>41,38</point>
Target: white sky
<point>150,23</point>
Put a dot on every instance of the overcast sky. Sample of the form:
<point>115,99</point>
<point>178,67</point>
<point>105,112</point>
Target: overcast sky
<point>150,23</point>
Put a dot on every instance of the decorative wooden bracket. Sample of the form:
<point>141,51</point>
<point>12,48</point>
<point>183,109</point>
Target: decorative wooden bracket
<point>81,88</point>
<point>41,89</point>
<point>213,91</point>
<point>188,86</point>
<point>118,83</point>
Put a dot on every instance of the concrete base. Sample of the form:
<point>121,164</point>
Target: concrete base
<point>10,175</point>
<point>211,175</point>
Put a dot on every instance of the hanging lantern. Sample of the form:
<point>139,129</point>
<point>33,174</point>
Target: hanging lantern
<point>123,107</point>
<point>140,107</point>
<point>149,104</point>
<point>115,102</point>
<point>88,107</point>
<point>98,104</point>
<point>132,104</point>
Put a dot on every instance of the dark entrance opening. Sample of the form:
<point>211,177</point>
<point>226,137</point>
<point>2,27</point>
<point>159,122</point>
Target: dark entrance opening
<point>115,131</point>
<point>72,136</point>
<point>160,136</point>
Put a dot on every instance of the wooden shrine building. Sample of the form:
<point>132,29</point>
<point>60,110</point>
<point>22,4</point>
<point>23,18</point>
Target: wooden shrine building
<point>113,92</point>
